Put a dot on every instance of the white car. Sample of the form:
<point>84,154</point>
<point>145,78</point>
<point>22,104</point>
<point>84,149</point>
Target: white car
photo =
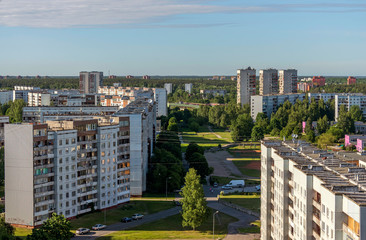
<point>137,216</point>
<point>226,187</point>
<point>98,226</point>
<point>81,231</point>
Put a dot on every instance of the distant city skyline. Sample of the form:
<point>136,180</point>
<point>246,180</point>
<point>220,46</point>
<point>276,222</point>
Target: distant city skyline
<point>176,37</point>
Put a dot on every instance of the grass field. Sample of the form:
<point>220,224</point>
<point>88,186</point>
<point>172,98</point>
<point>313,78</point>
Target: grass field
<point>223,133</point>
<point>251,202</point>
<point>246,160</point>
<point>114,215</point>
<point>171,228</point>
<point>22,233</point>
<point>255,228</point>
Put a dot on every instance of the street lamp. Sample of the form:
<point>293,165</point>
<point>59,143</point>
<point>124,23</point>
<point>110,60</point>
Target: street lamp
<point>213,224</point>
<point>166,187</point>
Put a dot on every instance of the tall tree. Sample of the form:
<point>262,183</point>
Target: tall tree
<point>355,113</point>
<point>194,209</point>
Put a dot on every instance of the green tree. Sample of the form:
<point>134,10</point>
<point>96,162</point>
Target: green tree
<point>241,129</point>
<point>194,126</point>
<point>173,127</point>
<point>198,161</point>
<point>194,209</point>
<point>325,140</point>
<point>193,148</point>
<point>257,133</point>
<point>322,125</point>
<point>15,111</point>
<point>6,230</point>
<point>56,227</point>
<point>355,113</point>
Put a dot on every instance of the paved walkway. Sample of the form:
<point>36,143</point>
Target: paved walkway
<point>217,135</point>
<point>123,226</point>
<point>244,221</point>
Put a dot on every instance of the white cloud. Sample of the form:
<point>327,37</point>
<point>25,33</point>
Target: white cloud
<point>84,13</point>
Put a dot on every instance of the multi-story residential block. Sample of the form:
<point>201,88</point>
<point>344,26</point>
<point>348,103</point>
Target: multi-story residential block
<point>317,96</point>
<point>89,82</point>
<point>304,86</point>
<point>214,92</point>
<point>41,114</point>
<point>318,81</point>
<point>6,96</point>
<point>268,81</point>
<point>287,80</point>
<point>348,100</point>
<point>245,85</point>
<point>39,99</point>
<point>146,77</point>
<point>142,118</point>
<point>3,120</point>
<point>69,167</point>
<point>168,87</point>
<point>188,87</point>
<point>21,92</point>
<point>308,193</point>
<point>351,80</point>
<point>268,104</point>
<point>122,96</point>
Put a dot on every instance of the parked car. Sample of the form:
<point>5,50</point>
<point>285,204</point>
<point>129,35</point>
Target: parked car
<point>82,231</point>
<point>258,187</point>
<point>226,187</point>
<point>215,184</point>
<point>126,219</point>
<point>236,184</point>
<point>98,226</point>
<point>137,216</point>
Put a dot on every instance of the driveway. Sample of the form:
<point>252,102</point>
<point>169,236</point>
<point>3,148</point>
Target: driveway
<point>123,226</point>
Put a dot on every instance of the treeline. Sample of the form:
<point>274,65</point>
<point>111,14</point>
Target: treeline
<point>341,88</point>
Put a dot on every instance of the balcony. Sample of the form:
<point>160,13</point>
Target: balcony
<point>316,204</point>
<point>316,235</point>
<point>316,219</point>
<point>47,202</point>
<point>348,231</point>
<point>41,194</point>
<point>84,211</point>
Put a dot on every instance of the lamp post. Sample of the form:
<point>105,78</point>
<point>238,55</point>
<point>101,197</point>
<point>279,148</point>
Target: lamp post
<point>213,224</point>
<point>166,187</point>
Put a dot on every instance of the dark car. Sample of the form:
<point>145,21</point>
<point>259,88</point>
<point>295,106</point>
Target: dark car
<point>126,219</point>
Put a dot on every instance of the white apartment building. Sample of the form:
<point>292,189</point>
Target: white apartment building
<point>287,80</point>
<point>122,96</point>
<point>40,114</point>
<point>325,96</point>
<point>39,99</point>
<point>268,81</point>
<point>168,87</point>
<point>188,87</point>
<point>268,104</point>
<point>69,167</point>
<point>142,117</point>
<point>6,96</point>
<point>3,120</point>
<point>213,92</point>
<point>245,85</point>
<point>350,99</point>
<point>308,193</point>
<point>89,82</point>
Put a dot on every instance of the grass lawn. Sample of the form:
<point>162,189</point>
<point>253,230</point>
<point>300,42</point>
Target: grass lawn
<point>203,136</point>
<point>255,228</point>
<point>204,145</point>
<point>171,228</point>
<point>252,202</point>
<point>246,160</point>
<point>115,215</point>
<point>22,233</point>
<point>223,133</point>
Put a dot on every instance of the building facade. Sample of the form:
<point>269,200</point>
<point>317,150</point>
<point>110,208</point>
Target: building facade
<point>287,80</point>
<point>6,96</point>
<point>188,87</point>
<point>246,83</point>
<point>348,100</point>
<point>69,167</point>
<point>351,80</point>
<point>89,82</point>
<point>268,81</point>
<point>318,81</point>
<point>168,87</point>
<point>308,193</point>
<point>39,99</point>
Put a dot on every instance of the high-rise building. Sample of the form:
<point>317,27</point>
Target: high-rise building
<point>245,85</point>
<point>90,81</point>
<point>188,87</point>
<point>39,99</point>
<point>69,167</point>
<point>348,100</point>
<point>309,193</point>
<point>351,80</point>
<point>268,81</point>
<point>287,80</point>
<point>168,87</point>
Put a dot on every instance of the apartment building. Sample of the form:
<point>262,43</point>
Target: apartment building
<point>268,81</point>
<point>39,99</point>
<point>325,96</point>
<point>122,96</point>
<point>351,80</point>
<point>40,114</point>
<point>350,99</point>
<point>21,92</point>
<point>89,82</point>
<point>168,87</point>
<point>142,116</point>
<point>69,167</point>
<point>318,81</point>
<point>214,92</point>
<point>287,80</point>
<point>6,96</point>
<point>245,85</point>
<point>3,120</point>
<point>188,87</point>
<point>304,86</point>
<point>268,104</point>
<point>308,193</point>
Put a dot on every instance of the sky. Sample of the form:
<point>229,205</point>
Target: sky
<point>182,37</point>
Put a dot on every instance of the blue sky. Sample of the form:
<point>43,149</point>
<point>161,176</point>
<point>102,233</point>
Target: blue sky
<point>181,37</point>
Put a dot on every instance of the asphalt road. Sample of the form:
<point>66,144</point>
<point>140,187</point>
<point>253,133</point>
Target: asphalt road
<point>123,226</point>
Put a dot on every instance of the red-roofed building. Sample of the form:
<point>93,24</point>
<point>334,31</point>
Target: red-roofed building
<point>318,81</point>
<point>351,80</point>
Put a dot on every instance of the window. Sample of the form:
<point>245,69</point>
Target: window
<point>60,160</point>
<point>60,142</point>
